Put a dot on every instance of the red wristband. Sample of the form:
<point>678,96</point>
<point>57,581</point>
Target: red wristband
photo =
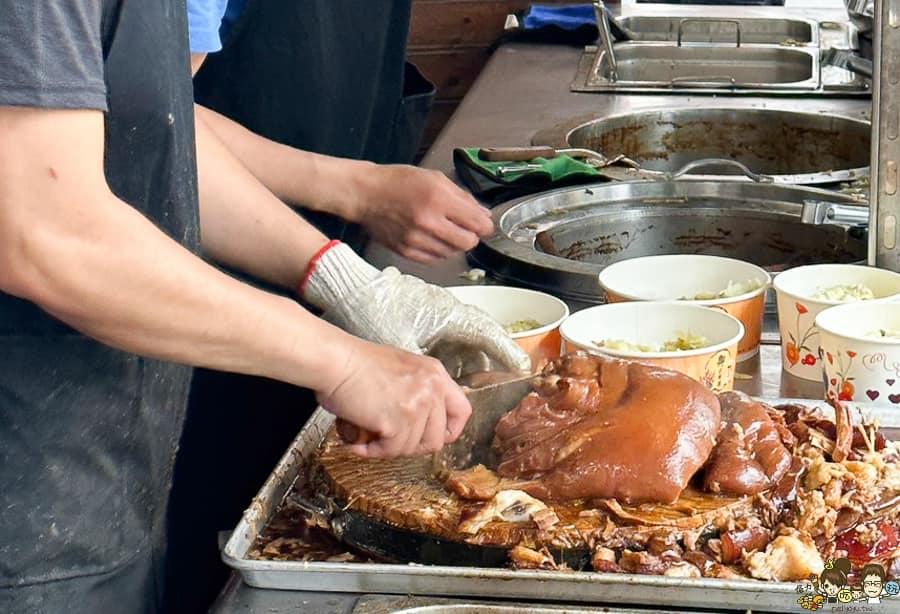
<point>311,267</point>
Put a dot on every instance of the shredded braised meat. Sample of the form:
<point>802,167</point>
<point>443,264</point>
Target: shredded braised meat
<point>776,491</point>
<point>843,438</point>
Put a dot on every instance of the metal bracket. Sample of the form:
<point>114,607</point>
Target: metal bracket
<point>884,202</point>
<point>605,41</point>
<point>818,212</point>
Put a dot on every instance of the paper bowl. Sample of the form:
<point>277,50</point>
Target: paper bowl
<point>670,277</point>
<point>857,367</point>
<point>506,304</point>
<point>652,323</point>
<point>797,311</point>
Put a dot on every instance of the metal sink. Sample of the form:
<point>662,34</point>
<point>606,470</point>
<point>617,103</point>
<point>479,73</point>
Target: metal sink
<point>753,30</point>
<point>650,65</point>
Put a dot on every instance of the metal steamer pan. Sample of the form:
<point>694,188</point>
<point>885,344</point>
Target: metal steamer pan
<point>560,240</point>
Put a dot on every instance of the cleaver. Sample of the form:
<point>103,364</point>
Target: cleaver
<point>491,395</point>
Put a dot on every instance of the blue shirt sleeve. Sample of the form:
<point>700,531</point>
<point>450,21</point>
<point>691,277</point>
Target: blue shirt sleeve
<point>204,19</point>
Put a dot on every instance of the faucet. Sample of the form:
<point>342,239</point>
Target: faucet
<point>604,39</point>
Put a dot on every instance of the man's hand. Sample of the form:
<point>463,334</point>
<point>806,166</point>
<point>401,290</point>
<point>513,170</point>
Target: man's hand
<point>421,214</point>
<point>409,402</point>
<point>418,213</point>
<point>404,311</point>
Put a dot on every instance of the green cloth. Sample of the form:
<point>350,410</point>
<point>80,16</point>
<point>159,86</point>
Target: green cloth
<point>557,169</point>
<point>481,177</point>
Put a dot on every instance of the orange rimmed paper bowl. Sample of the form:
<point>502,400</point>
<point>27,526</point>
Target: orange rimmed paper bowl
<point>671,277</point>
<point>507,304</point>
<point>653,323</point>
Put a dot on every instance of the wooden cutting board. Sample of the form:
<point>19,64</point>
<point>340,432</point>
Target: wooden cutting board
<point>406,493</point>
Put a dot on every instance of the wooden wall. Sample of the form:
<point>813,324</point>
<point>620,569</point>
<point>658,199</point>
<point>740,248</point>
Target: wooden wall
<point>449,42</point>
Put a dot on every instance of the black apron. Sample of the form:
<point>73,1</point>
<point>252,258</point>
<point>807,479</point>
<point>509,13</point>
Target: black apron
<point>321,75</point>
<point>326,76</point>
<point>88,434</point>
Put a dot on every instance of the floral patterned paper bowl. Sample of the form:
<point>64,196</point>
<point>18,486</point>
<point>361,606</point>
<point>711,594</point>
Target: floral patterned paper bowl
<point>672,277</point>
<point>797,310</point>
<point>654,323</point>
<point>859,365</point>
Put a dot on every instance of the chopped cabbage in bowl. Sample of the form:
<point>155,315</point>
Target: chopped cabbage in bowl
<point>734,288</point>
<point>844,293</point>
<point>885,334</point>
<point>683,342</point>
<point>521,326</point>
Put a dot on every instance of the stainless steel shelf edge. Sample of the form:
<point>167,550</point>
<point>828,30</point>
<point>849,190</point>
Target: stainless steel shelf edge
<point>583,587</point>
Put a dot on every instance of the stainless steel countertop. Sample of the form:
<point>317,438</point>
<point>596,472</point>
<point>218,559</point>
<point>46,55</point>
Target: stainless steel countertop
<point>523,89</point>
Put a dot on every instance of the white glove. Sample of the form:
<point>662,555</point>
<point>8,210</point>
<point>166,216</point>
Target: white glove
<point>405,312</point>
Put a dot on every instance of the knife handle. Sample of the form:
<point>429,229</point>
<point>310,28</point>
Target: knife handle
<point>352,434</point>
<point>515,154</point>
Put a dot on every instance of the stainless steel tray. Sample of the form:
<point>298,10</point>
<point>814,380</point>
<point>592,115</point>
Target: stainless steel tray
<point>820,80</point>
<point>654,65</point>
<point>754,30</point>
<point>587,587</point>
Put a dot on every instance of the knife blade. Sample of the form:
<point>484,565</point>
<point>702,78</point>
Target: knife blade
<point>489,404</point>
<point>480,389</point>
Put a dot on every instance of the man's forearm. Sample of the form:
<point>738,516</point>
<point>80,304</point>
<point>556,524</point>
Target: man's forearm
<point>418,213</point>
<point>243,225</point>
<point>135,289</point>
<point>69,245</point>
<point>318,182</point>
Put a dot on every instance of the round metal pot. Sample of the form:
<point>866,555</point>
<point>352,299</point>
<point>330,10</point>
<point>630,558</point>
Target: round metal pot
<point>559,241</point>
<point>791,147</point>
